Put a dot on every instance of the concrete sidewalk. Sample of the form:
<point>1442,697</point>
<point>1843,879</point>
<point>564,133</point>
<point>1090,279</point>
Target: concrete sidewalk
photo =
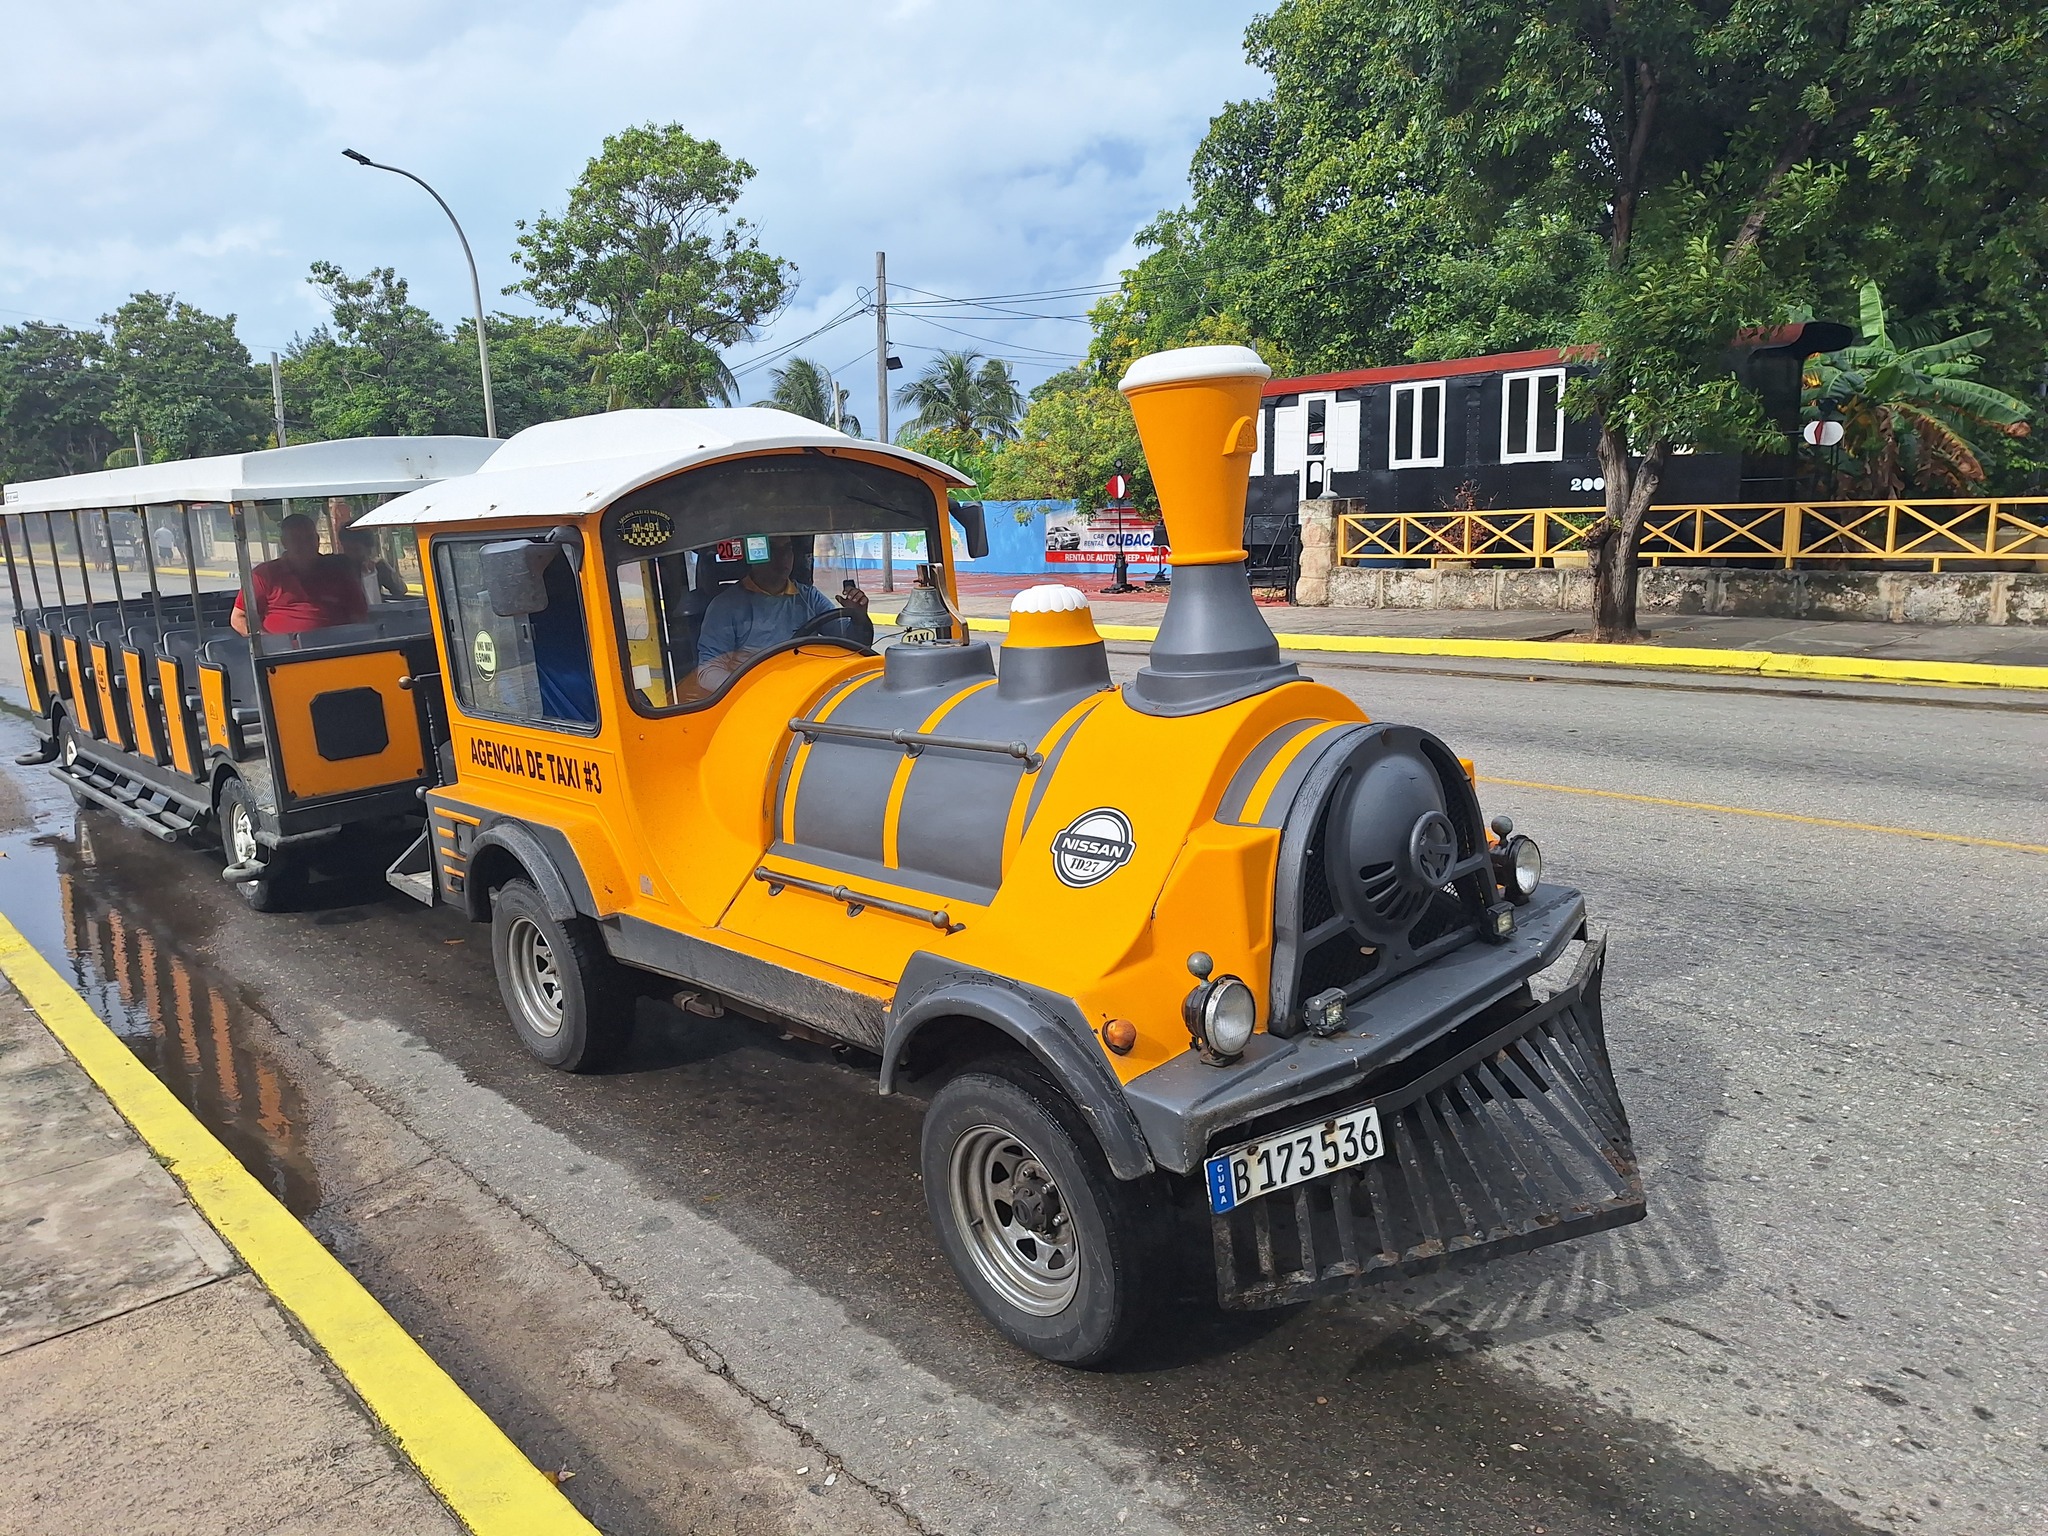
<point>149,1381</point>
<point>2007,645</point>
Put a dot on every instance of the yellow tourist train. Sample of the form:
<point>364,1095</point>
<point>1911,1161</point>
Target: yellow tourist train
<point>1209,941</point>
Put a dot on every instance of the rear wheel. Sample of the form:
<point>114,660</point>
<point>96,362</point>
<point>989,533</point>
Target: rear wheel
<point>1060,1254</point>
<point>571,1003</point>
<point>284,879</point>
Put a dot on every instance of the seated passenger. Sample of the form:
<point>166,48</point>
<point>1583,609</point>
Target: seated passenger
<point>764,608</point>
<point>379,579</point>
<point>303,589</point>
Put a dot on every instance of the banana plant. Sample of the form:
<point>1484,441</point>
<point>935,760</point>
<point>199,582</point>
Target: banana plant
<point>1912,410</point>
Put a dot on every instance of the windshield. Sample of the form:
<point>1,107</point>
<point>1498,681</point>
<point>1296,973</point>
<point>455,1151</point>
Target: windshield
<point>716,568</point>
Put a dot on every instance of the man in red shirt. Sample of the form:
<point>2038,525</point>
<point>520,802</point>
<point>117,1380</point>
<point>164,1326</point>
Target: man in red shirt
<point>303,589</point>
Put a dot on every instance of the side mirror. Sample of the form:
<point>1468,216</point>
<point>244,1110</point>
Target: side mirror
<point>968,515</point>
<point>516,573</point>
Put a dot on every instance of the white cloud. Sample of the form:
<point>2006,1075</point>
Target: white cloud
<point>989,149</point>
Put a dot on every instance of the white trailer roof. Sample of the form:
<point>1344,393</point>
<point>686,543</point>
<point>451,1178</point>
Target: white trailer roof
<point>356,466</point>
<point>564,469</point>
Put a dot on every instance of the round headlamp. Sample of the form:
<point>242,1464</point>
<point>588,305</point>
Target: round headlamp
<point>1519,864</point>
<point>1220,1014</point>
<point>1228,1014</point>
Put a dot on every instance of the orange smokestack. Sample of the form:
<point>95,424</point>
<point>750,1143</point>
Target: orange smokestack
<point>1197,412</point>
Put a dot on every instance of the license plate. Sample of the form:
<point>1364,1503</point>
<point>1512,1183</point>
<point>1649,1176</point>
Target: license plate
<point>1293,1157</point>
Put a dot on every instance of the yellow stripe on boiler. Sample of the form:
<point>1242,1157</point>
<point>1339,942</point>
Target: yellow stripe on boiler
<point>899,785</point>
<point>1269,778</point>
<point>1020,798</point>
<point>802,756</point>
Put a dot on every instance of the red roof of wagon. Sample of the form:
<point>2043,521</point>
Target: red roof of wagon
<point>1353,378</point>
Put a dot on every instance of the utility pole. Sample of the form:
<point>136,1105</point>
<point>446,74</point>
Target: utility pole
<point>277,398</point>
<point>882,396</point>
<point>138,445</point>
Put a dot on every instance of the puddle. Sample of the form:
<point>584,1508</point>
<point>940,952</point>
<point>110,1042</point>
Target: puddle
<point>97,901</point>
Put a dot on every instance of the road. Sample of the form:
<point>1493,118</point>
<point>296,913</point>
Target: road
<point>1829,1039</point>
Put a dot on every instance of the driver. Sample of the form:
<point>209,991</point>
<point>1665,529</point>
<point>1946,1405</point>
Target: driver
<point>765,607</point>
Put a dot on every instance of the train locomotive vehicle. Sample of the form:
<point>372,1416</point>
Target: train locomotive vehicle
<point>1208,940</point>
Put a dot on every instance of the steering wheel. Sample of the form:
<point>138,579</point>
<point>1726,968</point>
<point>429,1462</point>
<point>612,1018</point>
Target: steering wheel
<point>840,623</point>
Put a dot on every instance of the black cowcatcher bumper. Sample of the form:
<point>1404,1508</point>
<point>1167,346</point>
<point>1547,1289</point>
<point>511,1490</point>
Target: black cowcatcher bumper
<point>1516,1141</point>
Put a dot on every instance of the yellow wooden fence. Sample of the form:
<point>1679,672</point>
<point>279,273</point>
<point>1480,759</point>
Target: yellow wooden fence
<point>1961,532</point>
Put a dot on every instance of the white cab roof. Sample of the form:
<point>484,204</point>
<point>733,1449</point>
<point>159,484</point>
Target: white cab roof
<point>564,469</point>
<point>355,466</point>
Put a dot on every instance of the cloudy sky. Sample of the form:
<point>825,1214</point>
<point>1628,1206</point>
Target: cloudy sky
<point>990,149</point>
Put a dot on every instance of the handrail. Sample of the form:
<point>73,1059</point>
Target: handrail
<point>913,743</point>
<point>1931,529</point>
<point>857,902</point>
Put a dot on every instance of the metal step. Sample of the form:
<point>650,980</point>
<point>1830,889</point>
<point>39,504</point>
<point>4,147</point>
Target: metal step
<point>413,870</point>
<point>141,807</point>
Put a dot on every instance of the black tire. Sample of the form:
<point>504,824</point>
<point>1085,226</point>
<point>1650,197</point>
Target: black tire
<point>570,1003</point>
<point>64,743</point>
<point>1082,1315</point>
<point>285,883</point>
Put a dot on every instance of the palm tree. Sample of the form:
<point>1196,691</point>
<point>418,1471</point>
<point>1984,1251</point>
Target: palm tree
<point>804,389</point>
<point>953,395</point>
<point>1909,405</point>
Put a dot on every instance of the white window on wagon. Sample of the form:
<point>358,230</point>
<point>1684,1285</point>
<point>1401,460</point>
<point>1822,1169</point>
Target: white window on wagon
<point>1532,421</point>
<point>1418,426</point>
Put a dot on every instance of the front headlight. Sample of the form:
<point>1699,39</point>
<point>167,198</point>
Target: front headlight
<point>1518,865</point>
<point>1228,1015</point>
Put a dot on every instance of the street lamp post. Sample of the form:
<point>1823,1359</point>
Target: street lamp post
<point>476,292</point>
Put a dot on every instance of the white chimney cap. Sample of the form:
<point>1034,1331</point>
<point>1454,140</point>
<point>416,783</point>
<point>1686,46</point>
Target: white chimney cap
<point>1050,598</point>
<point>1184,365</point>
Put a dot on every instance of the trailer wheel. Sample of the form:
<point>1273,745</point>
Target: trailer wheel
<point>569,1000</point>
<point>285,880</point>
<point>1061,1255</point>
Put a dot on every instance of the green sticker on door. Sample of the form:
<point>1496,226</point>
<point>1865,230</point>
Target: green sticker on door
<point>484,652</point>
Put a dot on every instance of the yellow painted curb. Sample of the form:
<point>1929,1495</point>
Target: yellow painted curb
<point>478,1472</point>
<point>1863,669</point>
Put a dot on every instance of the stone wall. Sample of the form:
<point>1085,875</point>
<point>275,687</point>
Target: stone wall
<point>1896,597</point>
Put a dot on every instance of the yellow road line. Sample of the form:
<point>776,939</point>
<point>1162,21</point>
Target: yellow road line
<point>1743,810</point>
<point>1669,658</point>
<point>467,1459</point>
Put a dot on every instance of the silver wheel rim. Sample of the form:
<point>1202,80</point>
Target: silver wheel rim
<point>243,830</point>
<point>1035,1268</point>
<point>536,980</point>
<point>69,751</point>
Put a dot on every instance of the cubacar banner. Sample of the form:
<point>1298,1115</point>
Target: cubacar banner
<point>1094,538</point>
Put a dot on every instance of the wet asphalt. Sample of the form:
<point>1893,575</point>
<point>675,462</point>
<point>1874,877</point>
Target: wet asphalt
<point>1829,1041</point>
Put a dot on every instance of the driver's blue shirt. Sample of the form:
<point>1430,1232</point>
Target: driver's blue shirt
<point>743,618</point>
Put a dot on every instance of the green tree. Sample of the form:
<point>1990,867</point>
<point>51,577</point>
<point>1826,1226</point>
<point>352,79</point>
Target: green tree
<point>1643,181</point>
<point>184,378</point>
<point>805,389</point>
<point>55,392</point>
<point>964,393</point>
<point>382,365</point>
<point>1911,405</point>
<point>649,254</point>
<point>1077,432</point>
<point>541,370</point>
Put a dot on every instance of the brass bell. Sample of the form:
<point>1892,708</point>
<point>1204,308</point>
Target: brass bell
<point>927,618</point>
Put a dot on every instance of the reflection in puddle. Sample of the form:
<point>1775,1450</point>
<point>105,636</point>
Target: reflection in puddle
<point>178,1018</point>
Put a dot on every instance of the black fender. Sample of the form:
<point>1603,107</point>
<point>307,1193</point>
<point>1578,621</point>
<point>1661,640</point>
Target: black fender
<point>554,873</point>
<point>1051,1027</point>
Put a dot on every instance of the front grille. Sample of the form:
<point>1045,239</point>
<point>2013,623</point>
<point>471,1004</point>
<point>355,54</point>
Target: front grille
<point>1317,907</point>
<point>1392,901</point>
<point>1518,1142</point>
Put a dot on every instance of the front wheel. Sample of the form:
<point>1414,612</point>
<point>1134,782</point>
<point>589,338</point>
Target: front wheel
<point>1061,1255</point>
<point>570,1002</point>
